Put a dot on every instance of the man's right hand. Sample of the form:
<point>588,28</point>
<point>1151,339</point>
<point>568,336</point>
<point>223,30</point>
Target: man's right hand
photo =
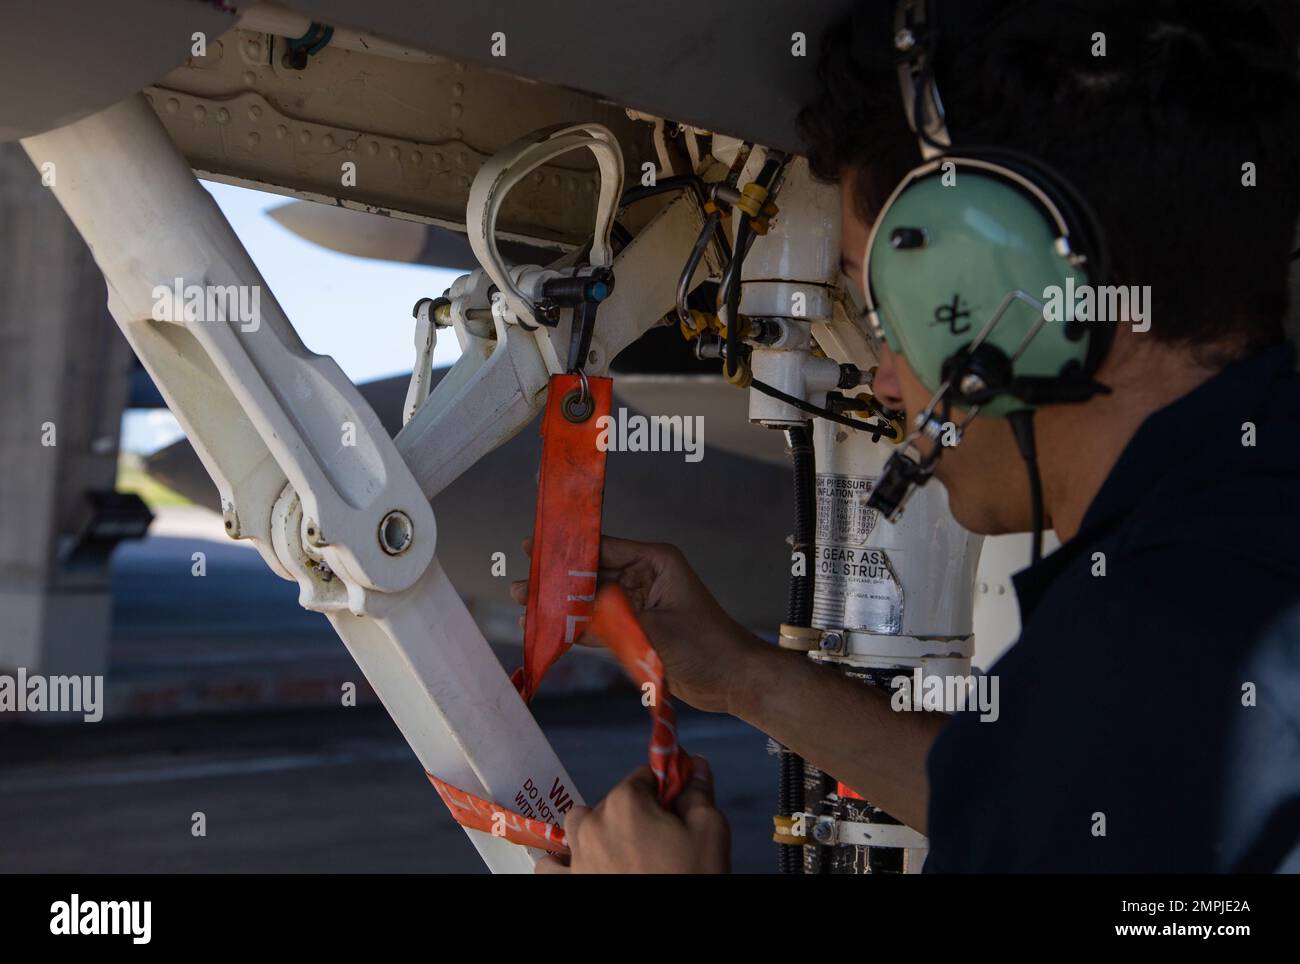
<point>702,648</point>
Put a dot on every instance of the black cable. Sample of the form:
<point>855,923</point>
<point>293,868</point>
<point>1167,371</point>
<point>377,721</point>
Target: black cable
<point>878,430</point>
<point>1022,424</point>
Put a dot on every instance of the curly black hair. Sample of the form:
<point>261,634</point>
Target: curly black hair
<point>1157,133</point>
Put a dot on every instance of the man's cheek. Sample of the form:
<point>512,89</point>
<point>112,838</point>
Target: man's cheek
<point>915,405</point>
<point>945,470</point>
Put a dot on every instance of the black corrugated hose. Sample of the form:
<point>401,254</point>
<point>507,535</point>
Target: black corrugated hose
<point>790,795</point>
<point>799,611</point>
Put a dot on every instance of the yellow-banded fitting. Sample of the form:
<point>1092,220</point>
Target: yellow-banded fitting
<point>752,198</point>
<point>700,323</point>
<point>743,377</point>
<point>760,223</point>
<point>783,832</point>
<point>803,638</point>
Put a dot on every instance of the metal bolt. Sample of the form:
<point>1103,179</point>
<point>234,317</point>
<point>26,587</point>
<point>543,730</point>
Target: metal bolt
<point>231,521</point>
<point>971,384</point>
<point>904,238</point>
<point>832,642</point>
<point>824,831</point>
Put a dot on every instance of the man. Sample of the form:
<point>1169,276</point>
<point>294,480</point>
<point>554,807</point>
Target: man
<point>1150,711</point>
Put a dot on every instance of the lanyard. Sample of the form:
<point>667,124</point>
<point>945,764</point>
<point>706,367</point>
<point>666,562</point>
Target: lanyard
<point>563,602</point>
<point>615,625</point>
<point>566,528</point>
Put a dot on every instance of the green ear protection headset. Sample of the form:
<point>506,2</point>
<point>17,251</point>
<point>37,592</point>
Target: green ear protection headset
<point>959,265</point>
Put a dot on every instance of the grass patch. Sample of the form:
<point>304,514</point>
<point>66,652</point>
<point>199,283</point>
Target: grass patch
<point>131,477</point>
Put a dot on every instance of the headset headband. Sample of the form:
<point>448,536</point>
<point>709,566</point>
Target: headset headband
<point>915,36</point>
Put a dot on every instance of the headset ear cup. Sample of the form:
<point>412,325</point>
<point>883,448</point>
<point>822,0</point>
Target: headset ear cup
<point>1088,239</point>
<point>990,248</point>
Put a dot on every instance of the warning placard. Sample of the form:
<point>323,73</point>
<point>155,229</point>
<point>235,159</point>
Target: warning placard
<point>855,585</point>
<point>842,514</point>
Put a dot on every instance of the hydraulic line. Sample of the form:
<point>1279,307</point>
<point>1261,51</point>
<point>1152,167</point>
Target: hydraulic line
<point>731,285</point>
<point>711,224</point>
<point>772,171</point>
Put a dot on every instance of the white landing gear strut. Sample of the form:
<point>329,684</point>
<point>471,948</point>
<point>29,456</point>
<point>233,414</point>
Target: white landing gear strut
<point>304,468</point>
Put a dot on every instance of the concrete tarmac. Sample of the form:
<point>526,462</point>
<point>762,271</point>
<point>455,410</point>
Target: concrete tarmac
<point>313,791</point>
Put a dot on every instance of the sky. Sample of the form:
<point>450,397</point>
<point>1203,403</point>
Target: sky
<point>357,310</point>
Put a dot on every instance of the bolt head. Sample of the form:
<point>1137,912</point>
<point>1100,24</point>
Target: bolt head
<point>971,384</point>
<point>905,238</point>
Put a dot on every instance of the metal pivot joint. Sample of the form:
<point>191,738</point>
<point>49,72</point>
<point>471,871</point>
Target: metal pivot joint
<point>583,294</point>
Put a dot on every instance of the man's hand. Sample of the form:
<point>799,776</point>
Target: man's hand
<point>702,648</point>
<point>630,833</point>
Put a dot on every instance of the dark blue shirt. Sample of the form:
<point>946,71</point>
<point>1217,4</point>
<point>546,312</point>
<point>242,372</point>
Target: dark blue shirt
<point>1150,717</point>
